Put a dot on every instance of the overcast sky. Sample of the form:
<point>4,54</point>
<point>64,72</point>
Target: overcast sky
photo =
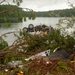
<point>45,5</point>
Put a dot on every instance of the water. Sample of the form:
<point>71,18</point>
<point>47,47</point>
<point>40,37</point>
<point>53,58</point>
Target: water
<point>39,20</point>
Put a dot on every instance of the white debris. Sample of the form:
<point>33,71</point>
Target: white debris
<point>14,63</point>
<point>39,54</point>
<point>6,70</point>
<point>47,62</point>
<point>20,66</point>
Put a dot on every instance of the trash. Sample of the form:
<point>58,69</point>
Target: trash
<point>20,66</point>
<point>19,73</point>
<point>6,70</point>
<point>14,63</point>
<point>46,53</point>
<point>38,54</point>
<point>59,54</point>
<point>42,63</point>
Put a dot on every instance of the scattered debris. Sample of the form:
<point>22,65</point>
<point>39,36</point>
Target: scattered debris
<point>6,70</point>
<point>38,54</point>
<point>42,63</point>
<point>46,66</point>
<point>14,64</point>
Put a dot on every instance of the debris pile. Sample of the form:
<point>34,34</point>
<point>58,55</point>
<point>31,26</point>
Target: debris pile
<point>46,66</point>
<point>42,64</point>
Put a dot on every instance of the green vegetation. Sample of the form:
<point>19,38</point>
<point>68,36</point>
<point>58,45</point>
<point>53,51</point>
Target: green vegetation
<point>3,44</point>
<point>62,13</point>
<point>34,43</point>
<point>57,40</point>
<point>10,13</point>
<point>62,66</point>
<point>13,14</point>
<point>54,13</point>
<point>37,43</point>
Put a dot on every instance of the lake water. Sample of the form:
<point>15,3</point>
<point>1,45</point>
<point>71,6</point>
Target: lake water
<point>39,20</point>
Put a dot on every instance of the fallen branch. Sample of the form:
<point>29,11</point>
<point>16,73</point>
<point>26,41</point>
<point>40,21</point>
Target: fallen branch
<point>6,34</point>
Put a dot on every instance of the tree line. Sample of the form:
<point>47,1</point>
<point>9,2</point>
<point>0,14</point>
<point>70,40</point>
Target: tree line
<point>54,13</point>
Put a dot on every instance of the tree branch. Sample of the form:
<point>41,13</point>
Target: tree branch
<point>6,34</point>
<point>7,10</point>
<point>2,1</point>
